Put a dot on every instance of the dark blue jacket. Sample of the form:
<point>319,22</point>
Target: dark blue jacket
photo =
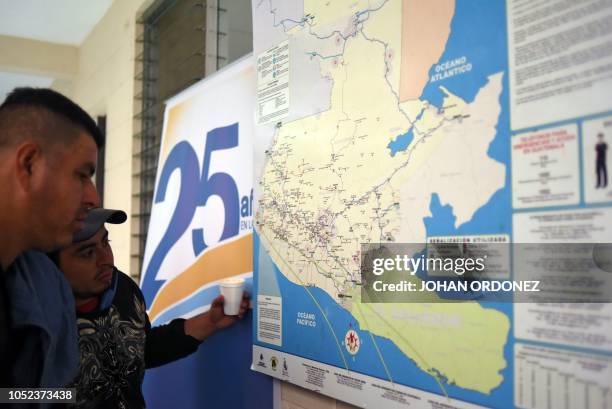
<point>43,333</point>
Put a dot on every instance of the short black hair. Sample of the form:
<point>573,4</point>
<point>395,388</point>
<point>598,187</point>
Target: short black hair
<point>52,101</point>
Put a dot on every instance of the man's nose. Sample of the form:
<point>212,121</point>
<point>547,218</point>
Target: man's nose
<point>90,196</point>
<point>104,255</point>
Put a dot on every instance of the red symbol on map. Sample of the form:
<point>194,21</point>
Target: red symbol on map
<point>351,342</point>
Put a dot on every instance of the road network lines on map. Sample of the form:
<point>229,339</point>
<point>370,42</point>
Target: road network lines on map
<point>329,253</point>
<point>322,271</point>
<point>337,286</point>
<point>358,27</point>
<point>386,76</point>
<point>375,190</point>
<point>423,135</point>
<point>305,287</point>
<point>331,328</point>
<point>363,169</point>
<point>285,20</point>
<point>309,18</point>
<point>430,371</point>
<point>402,165</point>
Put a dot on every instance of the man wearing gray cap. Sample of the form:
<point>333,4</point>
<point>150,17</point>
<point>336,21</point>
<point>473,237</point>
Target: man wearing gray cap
<point>116,340</point>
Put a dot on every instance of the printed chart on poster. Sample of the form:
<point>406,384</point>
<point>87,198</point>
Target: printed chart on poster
<point>411,121</point>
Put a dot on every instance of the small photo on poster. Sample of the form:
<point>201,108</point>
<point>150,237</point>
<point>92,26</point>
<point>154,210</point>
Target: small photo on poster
<point>545,168</point>
<point>596,145</point>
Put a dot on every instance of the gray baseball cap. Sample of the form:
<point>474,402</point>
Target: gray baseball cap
<point>95,220</point>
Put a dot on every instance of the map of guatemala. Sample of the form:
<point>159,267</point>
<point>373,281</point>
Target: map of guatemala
<point>382,121</point>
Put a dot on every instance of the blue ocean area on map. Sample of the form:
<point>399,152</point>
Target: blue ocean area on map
<point>478,33</point>
<point>477,30</point>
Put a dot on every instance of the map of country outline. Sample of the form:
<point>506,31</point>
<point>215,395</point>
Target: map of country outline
<point>318,204</point>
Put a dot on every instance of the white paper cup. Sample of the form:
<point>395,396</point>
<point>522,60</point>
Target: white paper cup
<point>231,290</point>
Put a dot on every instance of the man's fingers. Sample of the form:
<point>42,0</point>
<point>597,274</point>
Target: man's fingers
<point>217,302</point>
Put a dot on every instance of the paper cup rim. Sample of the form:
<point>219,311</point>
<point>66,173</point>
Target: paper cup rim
<point>230,284</point>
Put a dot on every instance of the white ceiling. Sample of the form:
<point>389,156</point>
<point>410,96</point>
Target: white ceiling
<point>57,21</point>
<point>66,22</point>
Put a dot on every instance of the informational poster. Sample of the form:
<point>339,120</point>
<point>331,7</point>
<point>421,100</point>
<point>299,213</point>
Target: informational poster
<point>273,84</point>
<point>576,324</point>
<point>553,378</point>
<point>560,60</point>
<point>200,232</point>
<point>455,124</point>
<point>545,168</point>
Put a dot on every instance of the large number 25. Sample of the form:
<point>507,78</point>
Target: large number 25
<point>194,192</point>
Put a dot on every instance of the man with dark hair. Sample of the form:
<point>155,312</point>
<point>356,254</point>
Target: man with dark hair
<point>48,154</point>
<point>116,340</point>
<point>32,108</point>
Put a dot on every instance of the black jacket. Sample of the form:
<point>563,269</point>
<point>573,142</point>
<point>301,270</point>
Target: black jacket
<point>117,343</point>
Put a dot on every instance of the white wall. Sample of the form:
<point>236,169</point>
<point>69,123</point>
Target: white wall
<point>104,85</point>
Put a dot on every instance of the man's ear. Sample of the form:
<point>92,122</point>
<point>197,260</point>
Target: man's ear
<point>27,161</point>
